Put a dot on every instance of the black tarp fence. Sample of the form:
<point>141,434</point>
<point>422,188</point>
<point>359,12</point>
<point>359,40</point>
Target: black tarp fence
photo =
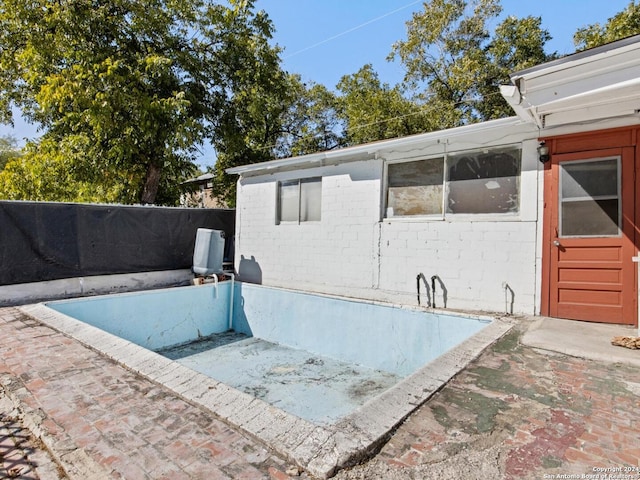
<point>48,241</point>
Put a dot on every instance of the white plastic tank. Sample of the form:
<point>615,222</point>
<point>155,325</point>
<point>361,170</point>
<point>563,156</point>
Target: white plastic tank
<point>208,252</point>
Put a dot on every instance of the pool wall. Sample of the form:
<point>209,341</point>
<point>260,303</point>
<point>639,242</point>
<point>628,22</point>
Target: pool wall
<point>149,318</point>
<point>393,339</point>
<point>389,338</point>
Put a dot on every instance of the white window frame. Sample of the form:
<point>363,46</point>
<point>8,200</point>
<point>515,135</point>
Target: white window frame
<point>299,182</point>
<point>446,190</point>
<point>387,208</point>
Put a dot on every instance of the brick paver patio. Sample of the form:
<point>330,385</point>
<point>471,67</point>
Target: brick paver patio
<point>518,413</point>
<point>112,422</point>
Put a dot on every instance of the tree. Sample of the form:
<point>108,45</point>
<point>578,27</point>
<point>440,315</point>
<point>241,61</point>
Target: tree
<point>517,44</point>
<point>453,63</point>
<point>251,124</point>
<point>8,150</point>
<point>622,25</point>
<point>374,111</point>
<point>311,123</point>
<point>127,90</point>
<point>49,171</point>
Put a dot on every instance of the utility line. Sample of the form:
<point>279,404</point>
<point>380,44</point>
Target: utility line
<point>369,22</point>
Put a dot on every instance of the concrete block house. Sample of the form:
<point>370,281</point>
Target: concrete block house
<point>532,214</point>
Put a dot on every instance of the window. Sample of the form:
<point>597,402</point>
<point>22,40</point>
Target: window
<point>415,188</point>
<point>483,181</point>
<point>299,200</point>
<point>590,198</point>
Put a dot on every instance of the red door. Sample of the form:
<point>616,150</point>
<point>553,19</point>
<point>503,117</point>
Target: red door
<point>591,274</point>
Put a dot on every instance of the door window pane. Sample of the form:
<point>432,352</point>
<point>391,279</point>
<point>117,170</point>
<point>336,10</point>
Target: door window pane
<point>486,181</point>
<point>590,198</point>
<point>590,179</point>
<point>415,188</point>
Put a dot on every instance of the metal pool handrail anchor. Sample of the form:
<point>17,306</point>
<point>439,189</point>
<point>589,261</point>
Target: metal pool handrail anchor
<point>433,291</point>
<point>431,295</point>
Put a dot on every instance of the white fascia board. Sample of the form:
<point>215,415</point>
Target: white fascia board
<point>628,91</point>
<point>586,75</point>
<point>491,132</point>
<point>579,90</point>
<point>591,113</point>
<point>374,149</point>
<point>329,157</point>
<point>618,100</point>
<point>281,164</point>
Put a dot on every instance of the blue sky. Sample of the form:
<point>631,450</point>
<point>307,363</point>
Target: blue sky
<point>303,24</point>
<point>326,39</point>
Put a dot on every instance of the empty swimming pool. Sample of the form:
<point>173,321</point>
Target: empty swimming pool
<point>322,365</point>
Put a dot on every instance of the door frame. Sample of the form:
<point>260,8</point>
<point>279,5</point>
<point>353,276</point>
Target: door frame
<point>583,143</point>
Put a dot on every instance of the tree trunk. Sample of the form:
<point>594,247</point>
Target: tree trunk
<point>151,183</point>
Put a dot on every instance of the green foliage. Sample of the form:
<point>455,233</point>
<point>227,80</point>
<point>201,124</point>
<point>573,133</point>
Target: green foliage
<point>251,122</point>
<point>288,119</point>
<point>374,111</point>
<point>622,25</point>
<point>8,150</point>
<point>51,170</point>
<point>455,66</point>
<point>362,110</point>
<point>517,44</point>
<point>128,89</point>
<point>312,122</point>
<point>48,171</point>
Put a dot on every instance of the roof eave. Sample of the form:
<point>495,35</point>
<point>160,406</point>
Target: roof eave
<point>577,88</point>
<point>369,151</point>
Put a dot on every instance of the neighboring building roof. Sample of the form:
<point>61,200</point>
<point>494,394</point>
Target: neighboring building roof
<point>596,84</point>
<point>201,179</point>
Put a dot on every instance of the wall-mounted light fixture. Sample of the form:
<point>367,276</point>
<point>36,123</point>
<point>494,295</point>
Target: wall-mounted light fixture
<point>543,152</point>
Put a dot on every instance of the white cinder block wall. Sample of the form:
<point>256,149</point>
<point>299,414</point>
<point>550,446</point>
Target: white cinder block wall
<point>474,262</point>
<point>329,255</point>
<point>483,262</point>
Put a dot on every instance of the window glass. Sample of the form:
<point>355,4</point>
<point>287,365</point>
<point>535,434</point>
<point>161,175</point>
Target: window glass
<point>300,200</point>
<point>486,181</point>
<point>590,179</point>
<point>288,201</point>
<point>595,218</point>
<point>590,198</point>
<point>415,188</point>
<point>310,199</point>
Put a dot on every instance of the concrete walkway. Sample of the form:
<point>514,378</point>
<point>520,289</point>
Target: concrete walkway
<point>518,412</point>
<point>582,339</point>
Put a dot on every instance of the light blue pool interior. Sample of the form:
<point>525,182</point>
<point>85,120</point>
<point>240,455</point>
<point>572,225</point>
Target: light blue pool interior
<point>315,356</point>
